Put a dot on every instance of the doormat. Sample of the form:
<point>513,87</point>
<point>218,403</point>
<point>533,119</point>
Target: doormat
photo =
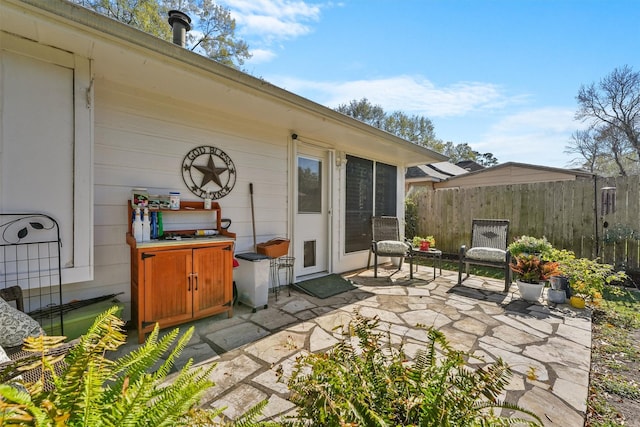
<point>326,286</point>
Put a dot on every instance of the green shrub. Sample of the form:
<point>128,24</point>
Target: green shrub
<point>131,391</point>
<point>410,218</point>
<point>364,380</point>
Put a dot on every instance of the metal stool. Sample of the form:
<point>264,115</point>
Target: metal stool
<point>277,264</point>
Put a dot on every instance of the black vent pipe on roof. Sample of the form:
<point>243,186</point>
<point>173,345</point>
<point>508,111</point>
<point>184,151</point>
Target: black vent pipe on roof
<point>180,23</point>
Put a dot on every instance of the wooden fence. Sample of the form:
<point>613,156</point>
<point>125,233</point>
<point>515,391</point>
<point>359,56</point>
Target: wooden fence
<point>568,213</point>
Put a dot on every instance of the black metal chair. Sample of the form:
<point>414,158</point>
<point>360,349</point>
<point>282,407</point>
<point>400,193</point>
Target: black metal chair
<point>489,241</point>
<point>385,234</point>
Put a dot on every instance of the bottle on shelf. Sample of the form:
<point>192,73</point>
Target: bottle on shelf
<point>137,225</point>
<point>154,225</point>
<point>207,200</point>
<point>146,226</point>
<point>160,225</point>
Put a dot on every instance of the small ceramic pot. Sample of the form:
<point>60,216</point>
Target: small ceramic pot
<point>556,296</point>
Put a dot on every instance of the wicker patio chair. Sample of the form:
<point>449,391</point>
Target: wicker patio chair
<point>385,233</point>
<point>489,240</point>
<point>20,358</point>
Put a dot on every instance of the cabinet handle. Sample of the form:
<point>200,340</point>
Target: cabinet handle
<point>195,275</point>
<point>189,282</point>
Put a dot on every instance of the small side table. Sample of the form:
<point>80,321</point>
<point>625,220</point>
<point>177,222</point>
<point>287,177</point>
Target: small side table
<point>281,263</point>
<point>435,254</point>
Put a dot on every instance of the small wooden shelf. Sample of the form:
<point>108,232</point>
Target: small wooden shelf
<point>191,207</point>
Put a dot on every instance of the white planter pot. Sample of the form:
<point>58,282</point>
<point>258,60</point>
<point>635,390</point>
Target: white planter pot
<point>530,291</point>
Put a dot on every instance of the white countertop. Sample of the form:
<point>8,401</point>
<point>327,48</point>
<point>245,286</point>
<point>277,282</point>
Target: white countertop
<point>206,240</point>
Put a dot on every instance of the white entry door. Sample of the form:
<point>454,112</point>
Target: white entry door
<point>312,212</point>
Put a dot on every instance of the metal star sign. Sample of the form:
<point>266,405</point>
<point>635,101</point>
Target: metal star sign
<point>203,173</point>
<point>210,173</point>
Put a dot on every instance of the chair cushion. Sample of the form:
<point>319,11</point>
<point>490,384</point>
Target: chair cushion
<point>3,356</point>
<point>391,247</point>
<point>487,254</point>
<point>15,326</point>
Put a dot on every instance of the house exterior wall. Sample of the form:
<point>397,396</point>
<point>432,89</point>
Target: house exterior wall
<point>147,109</point>
<point>140,141</point>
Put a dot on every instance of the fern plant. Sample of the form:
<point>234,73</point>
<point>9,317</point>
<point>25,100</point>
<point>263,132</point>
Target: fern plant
<point>365,380</point>
<point>130,391</point>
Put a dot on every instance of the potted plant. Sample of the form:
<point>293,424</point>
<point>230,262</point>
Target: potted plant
<point>560,290</point>
<point>587,278</point>
<point>529,245</point>
<point>532,272</point>
<point>423,243</point>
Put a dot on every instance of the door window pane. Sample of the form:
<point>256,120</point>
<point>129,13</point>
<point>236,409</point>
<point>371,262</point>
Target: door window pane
<point>309,185</point>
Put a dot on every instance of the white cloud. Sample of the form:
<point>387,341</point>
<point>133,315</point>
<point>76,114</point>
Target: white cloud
<point>537,136</point>
<point>410,94</point>
<point>482,112</point>
<point>261,55</point>
<point>272,19</point>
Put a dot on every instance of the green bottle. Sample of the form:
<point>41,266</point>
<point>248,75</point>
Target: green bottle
<point>160,229</point>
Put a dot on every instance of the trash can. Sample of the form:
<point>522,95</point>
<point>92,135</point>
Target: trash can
<point>252,279</point>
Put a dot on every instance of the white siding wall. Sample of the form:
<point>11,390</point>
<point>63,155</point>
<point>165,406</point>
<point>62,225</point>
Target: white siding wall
<point>140,141</point>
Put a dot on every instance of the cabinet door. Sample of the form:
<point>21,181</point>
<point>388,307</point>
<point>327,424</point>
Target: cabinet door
<point>213,268</point>
<point>167,286</point>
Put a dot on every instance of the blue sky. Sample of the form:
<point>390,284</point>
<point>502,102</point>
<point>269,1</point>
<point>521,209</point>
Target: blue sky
<point>500,75</point>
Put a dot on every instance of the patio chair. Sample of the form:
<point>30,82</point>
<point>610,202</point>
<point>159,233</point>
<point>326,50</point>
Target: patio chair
<point>489,240</point>
<point>19,358</point>
<point>385,234</point>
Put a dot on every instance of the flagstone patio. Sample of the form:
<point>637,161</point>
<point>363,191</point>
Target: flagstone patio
<point>548,348</point>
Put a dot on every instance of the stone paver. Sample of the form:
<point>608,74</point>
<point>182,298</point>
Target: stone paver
<point>547,347</point>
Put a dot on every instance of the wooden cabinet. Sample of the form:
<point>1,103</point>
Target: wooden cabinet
<point>173,282</point>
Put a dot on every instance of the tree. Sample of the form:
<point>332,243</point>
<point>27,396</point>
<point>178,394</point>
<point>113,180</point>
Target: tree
<point>417,129</point>
<point>364,111</point>
<point>212,35</point>
<point>612,109</point>
<point>584,144</point>
<point>459,152</point>
<point>486,159</point>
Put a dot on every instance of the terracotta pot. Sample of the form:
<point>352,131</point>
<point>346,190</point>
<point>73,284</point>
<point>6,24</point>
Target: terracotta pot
<point>577,302</point>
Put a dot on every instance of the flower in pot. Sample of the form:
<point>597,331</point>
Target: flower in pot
<point>424,243</point>
<point>532,272</point>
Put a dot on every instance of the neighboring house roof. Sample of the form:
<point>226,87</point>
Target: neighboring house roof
<point>137,59</point>
<point>470,165</point>
<point>512,173</point>
<point>433,172</point>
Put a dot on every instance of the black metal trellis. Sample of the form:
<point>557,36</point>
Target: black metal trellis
<point>30,258</point>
